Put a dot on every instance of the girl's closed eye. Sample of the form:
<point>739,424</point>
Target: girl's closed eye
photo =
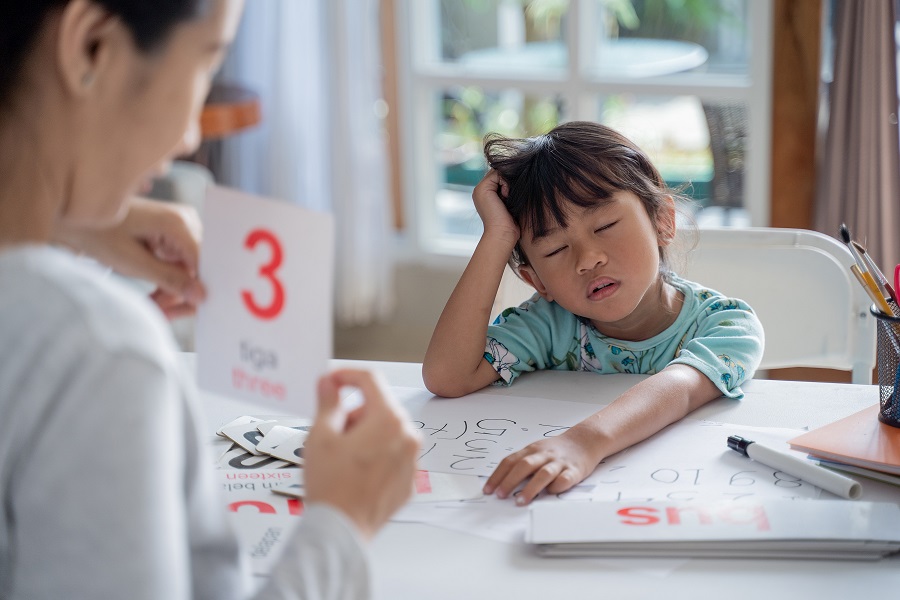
<point>555,252</point>
<point>605,227</point>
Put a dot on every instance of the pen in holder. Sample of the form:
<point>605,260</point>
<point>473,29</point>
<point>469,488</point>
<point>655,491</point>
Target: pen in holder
<point>888,364</point>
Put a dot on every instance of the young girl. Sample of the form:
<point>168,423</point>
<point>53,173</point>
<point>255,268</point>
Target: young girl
<point>584,217</point>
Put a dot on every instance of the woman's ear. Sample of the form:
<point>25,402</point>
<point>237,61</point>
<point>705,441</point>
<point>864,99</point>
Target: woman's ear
<point>531,278</point>
<point>665,222</point>
<point>85,44</point>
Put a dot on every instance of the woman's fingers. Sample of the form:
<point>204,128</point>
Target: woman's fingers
<point>362,462</point>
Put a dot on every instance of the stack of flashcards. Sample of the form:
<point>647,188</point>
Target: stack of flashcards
<point>282,438</point>
<point>815,529</point>
<point>278,437</point>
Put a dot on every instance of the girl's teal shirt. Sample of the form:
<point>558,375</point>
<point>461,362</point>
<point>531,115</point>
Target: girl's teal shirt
<point>719,336</point>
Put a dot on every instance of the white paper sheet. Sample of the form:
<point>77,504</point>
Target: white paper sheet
<point>689,461</point>
<point>470,435</point>
<point>686,461</point>
<point>428,487</point>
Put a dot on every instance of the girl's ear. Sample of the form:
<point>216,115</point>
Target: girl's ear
<point>532,279</point>
<point>665,222</point>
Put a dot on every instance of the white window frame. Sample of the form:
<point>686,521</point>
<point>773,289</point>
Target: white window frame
<point>421,76</point>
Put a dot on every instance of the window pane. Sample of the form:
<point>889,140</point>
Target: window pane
<point>644,38</point>
<point>504,35</point>
<point>698,147</point>
<point>467,114</point>
<point>633,38</point>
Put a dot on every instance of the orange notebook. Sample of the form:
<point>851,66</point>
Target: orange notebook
<point>860,440</point>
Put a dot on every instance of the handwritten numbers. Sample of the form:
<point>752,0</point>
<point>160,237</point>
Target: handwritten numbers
<point>664,475</point>
<point>738,496</point>
<point>492,426</point>
<point>425,453</point>
<point>672,475</point>
<point>267,272</point>
<point>785,480</point>
<point>613,469</point>
<point>443,429</point>
<point>740,479</point>
<point>478,447</point>
<point>553,430</point>
<point>462,460</point>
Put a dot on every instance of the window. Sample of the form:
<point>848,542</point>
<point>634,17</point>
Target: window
<point>688,81</point>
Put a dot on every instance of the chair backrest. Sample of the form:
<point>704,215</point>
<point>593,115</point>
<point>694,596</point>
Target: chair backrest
<point>813,311</point>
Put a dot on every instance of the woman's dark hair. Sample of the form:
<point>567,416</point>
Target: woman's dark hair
<point>150,22</point>
<point>578,163</point>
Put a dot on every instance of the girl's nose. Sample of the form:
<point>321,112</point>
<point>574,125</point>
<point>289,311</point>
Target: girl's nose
<point>589,258</point>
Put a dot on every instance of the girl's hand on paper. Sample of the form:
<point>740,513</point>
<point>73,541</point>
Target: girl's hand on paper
<point>488,198</point>
<point>555,464</point>
<point>361,462</point>
<point>156,241</point>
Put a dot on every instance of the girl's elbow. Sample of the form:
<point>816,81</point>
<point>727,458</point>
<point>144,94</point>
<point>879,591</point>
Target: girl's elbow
<point>435,381</point>
<point>441,382</point>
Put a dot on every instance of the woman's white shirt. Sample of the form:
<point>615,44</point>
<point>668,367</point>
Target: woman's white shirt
<point>107,488</point>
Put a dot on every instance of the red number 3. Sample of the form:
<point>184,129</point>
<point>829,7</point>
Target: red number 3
<point>266,271</point>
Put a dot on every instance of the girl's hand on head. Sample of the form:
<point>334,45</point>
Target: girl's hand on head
<point>488,197</point>
<point>554,464</point>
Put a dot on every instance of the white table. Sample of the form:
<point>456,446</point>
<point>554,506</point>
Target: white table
<point>424,562</point>
<point>617,57</point>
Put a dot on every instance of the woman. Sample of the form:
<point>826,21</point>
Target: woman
<point>107,490</point>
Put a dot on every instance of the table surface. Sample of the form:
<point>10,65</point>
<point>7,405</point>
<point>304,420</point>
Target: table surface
<point>618,57</point>
<point>420,561</point>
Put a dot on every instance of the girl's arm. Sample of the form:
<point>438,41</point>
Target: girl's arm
<point>561,462</point>
<point>454,363</point>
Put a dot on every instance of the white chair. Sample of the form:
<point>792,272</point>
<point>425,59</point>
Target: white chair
<point>814,312</point>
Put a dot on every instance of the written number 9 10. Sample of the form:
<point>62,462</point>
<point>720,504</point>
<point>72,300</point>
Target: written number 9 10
<point>267,272</point>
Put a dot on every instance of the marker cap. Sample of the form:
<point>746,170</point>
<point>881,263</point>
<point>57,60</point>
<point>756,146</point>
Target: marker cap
<point>736,442</point>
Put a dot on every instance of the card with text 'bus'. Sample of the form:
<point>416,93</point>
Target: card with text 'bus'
<point>264,332</point>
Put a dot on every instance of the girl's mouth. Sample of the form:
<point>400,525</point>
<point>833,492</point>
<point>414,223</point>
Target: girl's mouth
<point>601,289</point>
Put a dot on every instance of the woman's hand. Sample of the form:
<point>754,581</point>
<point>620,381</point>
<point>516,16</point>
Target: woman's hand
<point>157,241</point>
<point>361,462</point>
<point>488,198</point>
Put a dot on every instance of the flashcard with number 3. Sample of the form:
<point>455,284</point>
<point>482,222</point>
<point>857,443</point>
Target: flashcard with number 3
<point>264,332</point>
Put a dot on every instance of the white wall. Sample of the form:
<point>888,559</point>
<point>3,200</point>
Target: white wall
<point>422,292</point>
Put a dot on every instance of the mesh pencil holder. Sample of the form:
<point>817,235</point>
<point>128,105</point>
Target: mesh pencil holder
<point>888,364</point>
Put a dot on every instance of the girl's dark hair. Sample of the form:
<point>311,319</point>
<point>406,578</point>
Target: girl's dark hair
<point>580,163</point>
<point>150,22</point>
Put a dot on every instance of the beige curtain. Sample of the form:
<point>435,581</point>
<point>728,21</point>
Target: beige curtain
<point>859,172</point>
<point>316,65</point>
